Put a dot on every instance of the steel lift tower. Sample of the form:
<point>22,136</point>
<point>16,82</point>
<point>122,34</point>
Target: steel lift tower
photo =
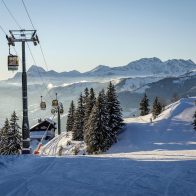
<point>24,36</point>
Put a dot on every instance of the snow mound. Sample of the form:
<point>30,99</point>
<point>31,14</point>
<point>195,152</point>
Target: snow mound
<point>63,145</point>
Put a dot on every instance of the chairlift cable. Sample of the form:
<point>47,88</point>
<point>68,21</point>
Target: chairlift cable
<point>25,7</point>
<point>10,13</point>
<point>33,26</point>
<point>38,71</point>
<point>3,30</point>
<point>41,48</point>
<point>44,58</point>
<point>27,12</point>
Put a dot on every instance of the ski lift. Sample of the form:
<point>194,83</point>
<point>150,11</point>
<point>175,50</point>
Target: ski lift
<point>13,62</point>
<point>61,110</point>
<point>55,102</point>
<point>42,104</point>
<point>53,111</point>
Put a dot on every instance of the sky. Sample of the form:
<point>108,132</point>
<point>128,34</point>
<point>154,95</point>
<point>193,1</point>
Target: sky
<point>81,34</point>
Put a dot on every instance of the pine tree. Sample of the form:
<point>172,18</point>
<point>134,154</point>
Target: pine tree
<point>98,132</point>
<point>86,96</point>
<point>88,108</point>
<point>144,106</point>
<point>10,137</point>
<point>114,111</point>
<point>16,135</point>
<point>70,117</point>
<point>4,138</point>
<point>194,121</point>
<point>157,108</point>
<point>77,131</point>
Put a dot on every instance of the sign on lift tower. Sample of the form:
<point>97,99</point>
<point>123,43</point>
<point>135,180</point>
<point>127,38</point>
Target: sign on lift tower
<point>24,36</point>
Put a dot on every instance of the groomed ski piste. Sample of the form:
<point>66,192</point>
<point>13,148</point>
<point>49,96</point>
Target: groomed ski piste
<point>150,158</point>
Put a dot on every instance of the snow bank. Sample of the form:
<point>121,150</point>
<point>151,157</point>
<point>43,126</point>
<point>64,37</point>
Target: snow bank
<point>63,145</point>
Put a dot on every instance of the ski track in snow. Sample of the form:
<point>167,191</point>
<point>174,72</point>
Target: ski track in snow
<point>98,176</point>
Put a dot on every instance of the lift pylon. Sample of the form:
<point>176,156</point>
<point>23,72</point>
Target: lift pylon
<point>24,36</point>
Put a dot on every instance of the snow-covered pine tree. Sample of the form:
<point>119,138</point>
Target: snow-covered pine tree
<point>85,97</point>
<point>194,121</point>
<point>157,108</point>
<point>114,111</point>
<point>70,117</point>
<point>98,132</point>
<point>4,138</point>
<point>144,106</point>
<point>10,139</point>
<point>16,136</point>
<point>77,131</point>
<point>88,108</point>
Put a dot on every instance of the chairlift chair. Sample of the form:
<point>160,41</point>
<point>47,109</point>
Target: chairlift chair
<point>53,111</point>
<point>13,62</point>
<point>54,103</point>
<point>42,104</point>
<point>61,110</point>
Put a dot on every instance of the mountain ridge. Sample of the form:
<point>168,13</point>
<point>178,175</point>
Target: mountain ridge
<point>141,67</point>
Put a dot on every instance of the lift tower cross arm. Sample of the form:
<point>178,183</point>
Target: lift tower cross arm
<point>24,36</point>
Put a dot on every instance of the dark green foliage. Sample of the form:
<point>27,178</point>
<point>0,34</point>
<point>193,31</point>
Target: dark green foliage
<point>97,136</point>
<point>85,97</point>
<point>10,137</point>
<point>144,106</point>
<point>157,108</point>
<point>97,121</point>
<point>77,131</point>
<point>90,102</point>
<point>114,111</point>
<point>70,117</point>
<point>194,121</point>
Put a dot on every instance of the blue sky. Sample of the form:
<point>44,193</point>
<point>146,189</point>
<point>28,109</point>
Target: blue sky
<point>81,34</point>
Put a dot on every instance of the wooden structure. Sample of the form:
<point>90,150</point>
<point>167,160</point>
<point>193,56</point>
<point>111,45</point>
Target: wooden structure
<point>37,131</point>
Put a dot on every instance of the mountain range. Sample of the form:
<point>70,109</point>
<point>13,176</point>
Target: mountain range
<point>153,76</point>
<point>142,67</point>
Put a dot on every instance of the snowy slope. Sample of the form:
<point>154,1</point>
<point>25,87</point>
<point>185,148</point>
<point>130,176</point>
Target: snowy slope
<point>169,137</point>
<point>157,158</point>
<point>132,84</point>
<point>86,176</point>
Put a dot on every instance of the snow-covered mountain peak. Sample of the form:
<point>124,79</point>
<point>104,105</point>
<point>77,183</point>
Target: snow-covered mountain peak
<point>35,68</point>
<point>100,67</point>
<point>144,67</point>
<point>148,60</point>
